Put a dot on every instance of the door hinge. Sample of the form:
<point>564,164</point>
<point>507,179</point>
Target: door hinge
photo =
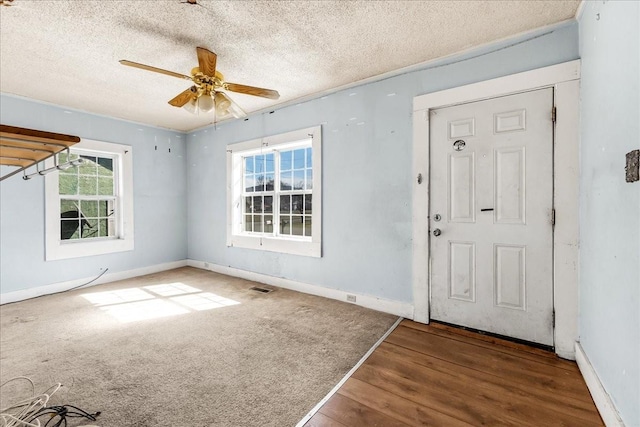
<point>553,114</point>
<point>553,318</point>
<point>553,217</point>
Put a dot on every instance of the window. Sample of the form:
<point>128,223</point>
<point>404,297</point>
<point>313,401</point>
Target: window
<point>88,197</point>
<point>89,207</point>
<point>275,195</point>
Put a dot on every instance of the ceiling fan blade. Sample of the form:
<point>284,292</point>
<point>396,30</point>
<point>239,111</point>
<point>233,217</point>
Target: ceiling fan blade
<point>154,69</point>
<point>207,61</point>
<point>251,90</point>
<point>228,107</point>
<point>183,97</point>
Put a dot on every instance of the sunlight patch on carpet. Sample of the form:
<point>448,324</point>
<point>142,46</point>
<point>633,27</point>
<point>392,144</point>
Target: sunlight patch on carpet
<point>171,289</point>
<point>135,304</point>
<point>204,301</point>
<point>117,297</point>
<point>144,310</point>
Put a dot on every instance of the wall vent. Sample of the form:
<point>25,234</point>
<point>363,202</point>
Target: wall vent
<point>261,290</point>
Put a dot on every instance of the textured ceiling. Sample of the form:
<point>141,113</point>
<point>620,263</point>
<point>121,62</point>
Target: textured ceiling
<point>66,51</point>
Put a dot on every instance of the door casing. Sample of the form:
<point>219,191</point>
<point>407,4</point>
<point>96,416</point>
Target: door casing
<point>565,79</point>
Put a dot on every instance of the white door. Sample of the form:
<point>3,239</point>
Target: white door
<point>491,208</point>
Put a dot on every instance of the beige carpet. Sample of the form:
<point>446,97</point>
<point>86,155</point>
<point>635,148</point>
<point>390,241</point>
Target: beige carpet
<point>216,354</point>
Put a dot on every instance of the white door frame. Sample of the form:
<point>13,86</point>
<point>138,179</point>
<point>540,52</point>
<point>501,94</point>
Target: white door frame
<point>565,79</point>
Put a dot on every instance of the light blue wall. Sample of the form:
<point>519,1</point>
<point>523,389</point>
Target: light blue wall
<point>367,176</point>
<point>610,207</point>
<point>159,182</point>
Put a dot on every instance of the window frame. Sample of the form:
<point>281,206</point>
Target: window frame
<point>55,247</point>
<point>290,244</point>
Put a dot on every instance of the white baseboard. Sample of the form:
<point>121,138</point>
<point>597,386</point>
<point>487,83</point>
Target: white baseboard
<point>603,402</point>
<point>24,294</point>
<point>402,309</point>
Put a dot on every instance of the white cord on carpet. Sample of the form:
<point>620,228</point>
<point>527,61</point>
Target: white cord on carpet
<point>17,414</point>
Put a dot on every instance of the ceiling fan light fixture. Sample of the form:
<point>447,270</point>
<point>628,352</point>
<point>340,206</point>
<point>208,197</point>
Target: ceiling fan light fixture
<point>236,111</point>
<point>206,102</point>
<point>222,104</point>
<point>191,106</point>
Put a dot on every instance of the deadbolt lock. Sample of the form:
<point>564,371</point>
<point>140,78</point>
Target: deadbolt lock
<point>437,217</point>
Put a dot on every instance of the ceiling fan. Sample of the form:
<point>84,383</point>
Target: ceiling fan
<point>206,93</point>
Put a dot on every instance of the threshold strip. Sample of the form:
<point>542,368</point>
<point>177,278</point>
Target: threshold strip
<point>348,375</point>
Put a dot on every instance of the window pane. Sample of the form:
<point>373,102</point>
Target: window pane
<point>111,226</point>
<point>105,166</point>
<point>68,184</point>
<point>248,165</point>
<point>89,228</point>
<point>286,160</point>
<point>269,181</point>
<point>285,181</point>
<point>298,180</point>
<point>69,229</point>
<point>105,186</point>
<point>268,204</point>
<point>248,206</point>
<point>248,223</point>
<point>298,159</point>
<point>259,186</point>
<point>89,208</point>
<point>103,228</point>
<point>268,224</point>
<point>249,183</point>
<point>296,203</point>
<point>257,223</point>
<point>309,179</point>
<point>307,226</point>
<point>308,204</point>
<point>88,167</point>
<point>68,206</point>
<point>257,204</point>
<point>88,186</point>
<point>270,167</point>
<point>285,222</point>
<point>260,164</point>
<point>285,204</point>
<point>104,210</point>
<point>309,158</point>
<point>297,225</point>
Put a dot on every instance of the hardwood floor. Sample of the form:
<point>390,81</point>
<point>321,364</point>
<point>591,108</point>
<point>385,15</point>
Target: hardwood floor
<point>437,375</point>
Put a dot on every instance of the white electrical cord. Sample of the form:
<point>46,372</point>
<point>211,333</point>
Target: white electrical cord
<point>17,414</point>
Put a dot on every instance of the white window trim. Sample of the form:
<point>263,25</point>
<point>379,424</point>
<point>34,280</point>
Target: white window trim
<point>57,249</point>
<point>288,245</point>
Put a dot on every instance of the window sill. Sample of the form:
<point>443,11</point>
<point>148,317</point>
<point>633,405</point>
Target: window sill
<point>286,246</point>
<point>66,250</point>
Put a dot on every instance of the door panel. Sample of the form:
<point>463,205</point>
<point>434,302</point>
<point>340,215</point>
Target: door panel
<point>462,274</point>
<point>461,188</point>
<point>509,273</point>
<point>491,186</point>
<point>510,206</point>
